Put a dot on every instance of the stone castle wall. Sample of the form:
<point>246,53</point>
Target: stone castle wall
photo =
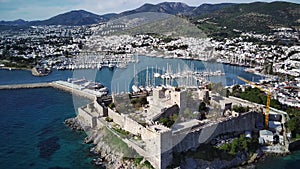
<point>160,145</point>
<point>153,142</point>
<point>86,118</point>
<point>190,140</point>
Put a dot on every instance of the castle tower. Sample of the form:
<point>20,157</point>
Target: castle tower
<point>160,147</point>
<point>179,97</point>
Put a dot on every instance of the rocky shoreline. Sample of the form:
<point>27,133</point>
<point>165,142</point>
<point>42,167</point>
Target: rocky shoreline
<point>73,123</point>
<point>104,155</point>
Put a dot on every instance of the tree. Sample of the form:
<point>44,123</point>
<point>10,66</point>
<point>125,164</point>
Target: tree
<point>166,122</point>
<point>112,105</point>
<point>236,88</point>
<point>133,101</point>
<point>143,100</point>
<point>202,107</point>
<point>234,146</point>
<point>240,109</point>
<point>294,125</point>
<point>243,143</point>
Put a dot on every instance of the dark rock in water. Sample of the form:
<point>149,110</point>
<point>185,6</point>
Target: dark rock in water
<point>73,124</point>
<point>45,131</point>
<point>48,147</point>
<point>32,164</point>
<point>49,129</point>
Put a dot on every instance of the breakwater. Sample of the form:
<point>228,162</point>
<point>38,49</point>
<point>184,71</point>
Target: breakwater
<point>25,86</point>
<point>61,85</point>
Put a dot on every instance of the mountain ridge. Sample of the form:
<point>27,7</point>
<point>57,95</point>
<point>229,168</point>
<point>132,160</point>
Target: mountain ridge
<point>78,17</point>
<point>72,18</point>
<point>164,7</point>
<point>255,17</point>
<point>219,13</point>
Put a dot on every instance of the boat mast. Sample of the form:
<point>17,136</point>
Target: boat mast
<point>147,77</point>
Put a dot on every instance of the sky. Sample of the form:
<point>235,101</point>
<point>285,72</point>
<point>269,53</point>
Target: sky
<point>44,9</point>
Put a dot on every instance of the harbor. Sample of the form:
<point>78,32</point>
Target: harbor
<point>159,69</point>
<point>143,73</point>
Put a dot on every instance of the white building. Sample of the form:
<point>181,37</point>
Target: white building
<point>266,136</point>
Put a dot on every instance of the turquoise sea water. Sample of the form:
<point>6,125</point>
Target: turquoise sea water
<point>33,134</point>
<point>31,125</point>
<point>288,162</point>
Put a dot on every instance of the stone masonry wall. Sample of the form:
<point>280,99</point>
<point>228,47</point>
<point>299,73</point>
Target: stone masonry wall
<point>86,118</point>
<point>184,142</point>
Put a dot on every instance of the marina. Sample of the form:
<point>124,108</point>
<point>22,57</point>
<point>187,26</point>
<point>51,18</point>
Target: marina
<point>87,60</point>
<point>149,71</point>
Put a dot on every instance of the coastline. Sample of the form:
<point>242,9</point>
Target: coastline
<point>100,150</point>
<point>110,156</point>
<point>114,159</point>
<point>165,56</point>
<point>105,155</point>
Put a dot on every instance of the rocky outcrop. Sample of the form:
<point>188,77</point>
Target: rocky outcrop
<point>74,124</point>
<point>113,158</point>
<point>103,152</point>
<point>106,155</point>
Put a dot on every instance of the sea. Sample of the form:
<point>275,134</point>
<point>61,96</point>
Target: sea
<point>31,125</point>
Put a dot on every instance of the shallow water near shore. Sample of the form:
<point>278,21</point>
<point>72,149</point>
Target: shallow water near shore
<point>291,161</point>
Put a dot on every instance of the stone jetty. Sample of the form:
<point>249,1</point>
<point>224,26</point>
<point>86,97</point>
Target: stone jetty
<point>25,86</point>
<point>61,85</point>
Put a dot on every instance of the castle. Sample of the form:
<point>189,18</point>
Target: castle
<point>157,143</point>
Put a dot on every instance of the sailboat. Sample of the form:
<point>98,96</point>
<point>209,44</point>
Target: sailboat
<point>156,74</point>
<point>134,87</point>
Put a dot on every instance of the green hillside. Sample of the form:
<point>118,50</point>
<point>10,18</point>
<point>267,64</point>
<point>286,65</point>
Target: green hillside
<point>172,26</point>
<point>258,17</point>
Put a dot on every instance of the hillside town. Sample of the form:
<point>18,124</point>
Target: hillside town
<point>84,47</point>
<point>186,85</point>
<point>202,116</point>
<point>62,47</point>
